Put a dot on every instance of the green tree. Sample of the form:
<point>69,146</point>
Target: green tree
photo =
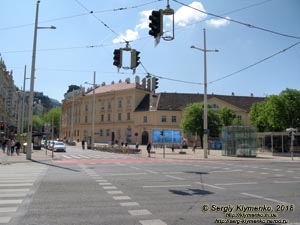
<point>277,112</point>
<point>37,123</point>
<point>53,115</point>
<point>192,121</point>
<point>227,116</point>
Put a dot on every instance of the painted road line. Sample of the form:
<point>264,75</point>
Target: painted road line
<point>10,201</point>
<point>15,190</point>
<point>246,183</point>
<point>135,168</point>
<point>139,212</point>
<point>286,182</point>
<point>167,186</point>
<point>209,185</point>
<point>250,171</point>
<point>129,204</point>
<point>8,209</point>
<point>121,198</point>
<point>103,184</point>
<point>115,192</point>
<point>152,222</point>
<point>12,195</point>
<point>126,174</point>
<point>177,178</point>
<point>151,171</point>
<point>290,171</point>
<point>263,173</point>
<point>172,172</point>
<point>226,171</point>
<point>4,219</point>
<point>109,187</point>
<point>261,197</point>
<point>100,181</point>
<point>16,184</point>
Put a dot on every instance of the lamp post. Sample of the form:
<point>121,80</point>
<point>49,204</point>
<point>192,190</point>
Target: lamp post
<point>205,130</point>
<point>93,111</point>
<point>30,103</point>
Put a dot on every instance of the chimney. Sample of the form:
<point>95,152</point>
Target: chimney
<point>232,93</point>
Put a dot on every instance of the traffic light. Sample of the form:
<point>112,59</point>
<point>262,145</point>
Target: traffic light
<point>148,83</point>
<point>156,23</point>
<point>154,83</point>
<point>144,82</point>
<point>134,59</point>
<point>118,58</point>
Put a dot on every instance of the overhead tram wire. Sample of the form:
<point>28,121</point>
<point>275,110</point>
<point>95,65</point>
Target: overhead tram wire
<point>238,22</point>
<point>82,14</point>
<point>254,64</point>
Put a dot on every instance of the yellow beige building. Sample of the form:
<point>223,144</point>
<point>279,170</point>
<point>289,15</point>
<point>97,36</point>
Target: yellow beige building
<point>127,112</point>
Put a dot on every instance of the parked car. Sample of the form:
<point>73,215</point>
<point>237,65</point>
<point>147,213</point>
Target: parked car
<point>58,146</point>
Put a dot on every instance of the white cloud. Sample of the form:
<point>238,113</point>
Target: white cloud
<point>185,15</point>
<point>144,21</point>
<point>216,23</point>
<point>130,35</point>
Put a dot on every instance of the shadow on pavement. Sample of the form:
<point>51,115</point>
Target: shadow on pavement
<point>56,166</point>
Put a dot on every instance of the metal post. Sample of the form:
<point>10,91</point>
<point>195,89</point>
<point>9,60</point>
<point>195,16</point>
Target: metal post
<point>23,102</point>
<point>205,100</point>
<point>30,104</point>
<point>72,117</point>
<point>93,113</point>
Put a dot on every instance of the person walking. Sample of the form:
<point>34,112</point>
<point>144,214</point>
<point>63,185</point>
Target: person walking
<point>83,144</point>
<point>18,147</point>
<point>149,149</point>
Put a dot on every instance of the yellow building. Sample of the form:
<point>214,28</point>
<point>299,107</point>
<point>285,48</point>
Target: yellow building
<point>127,112</point>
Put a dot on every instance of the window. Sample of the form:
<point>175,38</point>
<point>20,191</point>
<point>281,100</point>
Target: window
<point>119,116</point>
<point>128,116</point>
<point>145,119</point>
<point>107,132</point>
<point>86,107</point>
<point>173,119</point>
<point>239,117</point>
<point>101,132</point>
<point>163,118</point>
<point>102,118</point>
<point>102,105</point>
<point>109,105</point>
<point>120,103</point>
<point>128,103</point>
<point>108,117</point>
<point>86,119</point>
<point>214,106</point>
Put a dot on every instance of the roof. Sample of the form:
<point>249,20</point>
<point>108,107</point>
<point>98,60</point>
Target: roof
<point>178,101</point>
<point>113,87</point>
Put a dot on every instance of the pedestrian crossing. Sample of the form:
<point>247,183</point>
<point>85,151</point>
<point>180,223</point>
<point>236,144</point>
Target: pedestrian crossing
<point>16,182</point>
<point>96,156</point>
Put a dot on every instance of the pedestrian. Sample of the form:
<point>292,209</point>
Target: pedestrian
<point>18,147</point>
<point>149,149</point>
<point>12,148</point>
<point>8,146</point>
<point>83,144</point>
<point>4,145</point>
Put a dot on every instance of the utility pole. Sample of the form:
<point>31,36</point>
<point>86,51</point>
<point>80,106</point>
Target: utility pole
<point>93,112</point>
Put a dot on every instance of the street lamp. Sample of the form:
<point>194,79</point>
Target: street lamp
<point>30,108</point>
<point>93,111</point>
<point>205,130</point>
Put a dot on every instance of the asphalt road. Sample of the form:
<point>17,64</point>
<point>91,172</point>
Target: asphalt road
<point>89,187</point>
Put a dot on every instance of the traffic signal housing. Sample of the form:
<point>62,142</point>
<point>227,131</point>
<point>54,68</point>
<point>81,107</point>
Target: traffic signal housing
<point>2,126</point>
<point>118,58</point>
<point>134,59</point>
<point>154,83</point>
<point>156,23</point>
<point>144,82</point>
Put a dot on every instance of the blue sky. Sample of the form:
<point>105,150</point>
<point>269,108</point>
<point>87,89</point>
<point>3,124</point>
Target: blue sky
<point>65,56</point>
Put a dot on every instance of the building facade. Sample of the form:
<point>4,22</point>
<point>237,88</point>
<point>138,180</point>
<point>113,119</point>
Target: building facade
<point>127,112</point>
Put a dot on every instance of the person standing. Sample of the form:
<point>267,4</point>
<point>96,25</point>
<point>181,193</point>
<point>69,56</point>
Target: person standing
<point>83,144</point>
<point>8,146</point>
<point>149,149</point>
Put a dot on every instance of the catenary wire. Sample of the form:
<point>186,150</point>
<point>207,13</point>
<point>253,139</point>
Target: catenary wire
<point>238,22</point>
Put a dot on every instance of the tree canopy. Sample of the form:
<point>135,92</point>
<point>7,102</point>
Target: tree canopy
<point>277,112</point>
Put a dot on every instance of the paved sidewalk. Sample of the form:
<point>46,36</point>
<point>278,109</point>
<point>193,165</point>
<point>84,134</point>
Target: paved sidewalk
<point>36,155</point>
<point>40,155</point>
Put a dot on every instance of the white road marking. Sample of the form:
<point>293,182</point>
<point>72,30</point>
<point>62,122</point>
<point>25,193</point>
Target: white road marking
<point>261,197</point>
<point>10,201</point>
<point>15,190</point>
<point>286,182</point>
<point>109,187</point>
<point>237,183</point>
<point>16,185</point>
<point>177,178</point>
<point>139,212</point>
<point>104,184</point>
<point>121,198</point>
<point>129,204</point>
<point>167,186</point>
<point>151,171</point>
<point>12,195</point>
<point>152,222</point>
<point>4,219</point>
<point>209,185</point>
<point>8,209</point>
<point>114,192</point>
